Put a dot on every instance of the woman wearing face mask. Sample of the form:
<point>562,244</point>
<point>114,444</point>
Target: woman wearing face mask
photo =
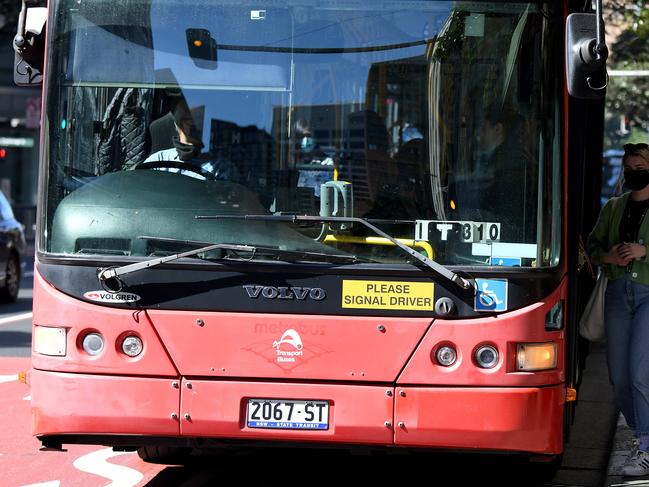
<point>618,243</point>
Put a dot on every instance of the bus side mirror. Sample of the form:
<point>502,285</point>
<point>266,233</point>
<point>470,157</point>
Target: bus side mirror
<point>29,45</point>
<point>586,55</point>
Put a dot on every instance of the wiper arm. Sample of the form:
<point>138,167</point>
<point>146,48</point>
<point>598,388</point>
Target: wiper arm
<point>456,279</point>
<point>114,273</point>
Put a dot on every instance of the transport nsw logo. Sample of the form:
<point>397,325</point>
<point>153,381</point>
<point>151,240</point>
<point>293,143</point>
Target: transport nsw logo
<point>289,346</point>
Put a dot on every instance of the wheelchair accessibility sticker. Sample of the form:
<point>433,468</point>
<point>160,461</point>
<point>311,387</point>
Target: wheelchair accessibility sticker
<point>491,295</point>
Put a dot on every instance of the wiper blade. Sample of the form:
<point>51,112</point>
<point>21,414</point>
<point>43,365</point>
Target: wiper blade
<point>305,255</point>
<point>464,284</point>
<point>114,273</point>
<point>326,50</point>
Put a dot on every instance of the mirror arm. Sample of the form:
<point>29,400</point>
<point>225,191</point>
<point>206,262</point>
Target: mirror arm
<point>599,49</point>
<point>586,54</point>
<point>29,43</point>
<point>20,43</point>
<point>594,51</point>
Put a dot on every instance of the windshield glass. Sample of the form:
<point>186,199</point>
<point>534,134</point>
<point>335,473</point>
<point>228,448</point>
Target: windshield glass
<point>436,121</point>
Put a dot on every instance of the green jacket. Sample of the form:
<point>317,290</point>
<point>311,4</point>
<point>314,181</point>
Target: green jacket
<point>607,233</point>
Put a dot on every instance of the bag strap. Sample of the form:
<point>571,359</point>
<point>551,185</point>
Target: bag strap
<point>584,259</point>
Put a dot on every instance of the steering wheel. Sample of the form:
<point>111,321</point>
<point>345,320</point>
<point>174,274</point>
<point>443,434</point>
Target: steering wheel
<point>181,165</point>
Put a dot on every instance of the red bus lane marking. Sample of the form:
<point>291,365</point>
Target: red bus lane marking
<point>21,461</point>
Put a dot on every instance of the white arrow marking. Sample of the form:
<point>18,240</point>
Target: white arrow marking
<point>14,318</point>
<point>95,463</point>
<point>8,378</point>
<point>52,483</point>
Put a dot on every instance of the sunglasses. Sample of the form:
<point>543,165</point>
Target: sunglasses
<point>634,148</point>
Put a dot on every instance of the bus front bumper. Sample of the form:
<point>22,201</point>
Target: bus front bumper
<point>514,419</point>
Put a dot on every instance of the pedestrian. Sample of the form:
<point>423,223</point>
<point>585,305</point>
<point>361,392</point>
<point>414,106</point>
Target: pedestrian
<point>618,244</point>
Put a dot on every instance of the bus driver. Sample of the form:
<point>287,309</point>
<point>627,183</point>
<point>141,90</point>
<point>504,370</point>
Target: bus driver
<point>187,151</point>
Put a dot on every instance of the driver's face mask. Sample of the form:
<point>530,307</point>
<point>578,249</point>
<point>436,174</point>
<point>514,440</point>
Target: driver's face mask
<point>192,135</point>
<point>186,151</point>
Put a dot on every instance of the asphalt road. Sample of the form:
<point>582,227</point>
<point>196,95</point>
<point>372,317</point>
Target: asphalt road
<point>16,318</point>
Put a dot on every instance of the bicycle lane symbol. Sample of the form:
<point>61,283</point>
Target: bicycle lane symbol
<point>491,295</point>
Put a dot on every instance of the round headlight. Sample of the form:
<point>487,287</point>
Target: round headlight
<point>486,356</point>
<point>446,355</point>
<point>93,343</point>
<point>132,346</point>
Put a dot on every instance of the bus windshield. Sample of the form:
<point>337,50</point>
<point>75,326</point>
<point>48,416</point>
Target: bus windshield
<point>436,121</point>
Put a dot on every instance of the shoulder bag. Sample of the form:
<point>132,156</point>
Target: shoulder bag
<point>591,325</point>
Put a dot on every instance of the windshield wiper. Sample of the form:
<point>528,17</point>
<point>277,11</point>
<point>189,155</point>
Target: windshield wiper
<point>326,50</point>
<point>110,277</point>
<point>464,284</point>
<point>293,255</point>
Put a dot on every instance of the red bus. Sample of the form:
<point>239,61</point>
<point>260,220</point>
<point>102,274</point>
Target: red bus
<point>333,222</point>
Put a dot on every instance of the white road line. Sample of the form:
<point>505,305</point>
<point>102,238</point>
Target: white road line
<point>95,463</point>
<point>51,483</point>
<point>28,274</point>
<point>14,318</point>
<point>8,378</point>
<point>27,398</point>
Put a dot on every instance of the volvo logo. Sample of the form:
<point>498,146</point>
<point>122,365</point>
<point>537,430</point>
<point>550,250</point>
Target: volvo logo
<point>285,292</point>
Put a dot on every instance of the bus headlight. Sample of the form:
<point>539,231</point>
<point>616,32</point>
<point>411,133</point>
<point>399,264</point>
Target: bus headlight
<point>486,356</point>
<point>93,343</point>
<point>446,355</point>
<point>536,356</point>
<point>132,346</point>
<point>49,340</point>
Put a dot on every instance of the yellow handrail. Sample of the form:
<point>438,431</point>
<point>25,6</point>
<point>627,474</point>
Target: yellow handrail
<point>428,248</point>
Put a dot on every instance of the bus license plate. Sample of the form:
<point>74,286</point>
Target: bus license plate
<point>288,414</point>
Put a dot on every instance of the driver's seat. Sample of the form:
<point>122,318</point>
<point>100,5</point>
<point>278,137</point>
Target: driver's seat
<point>162,131</point>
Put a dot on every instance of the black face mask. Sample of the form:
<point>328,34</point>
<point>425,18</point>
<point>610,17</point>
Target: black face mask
<point>186,151</point>
<point>636,179</point>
